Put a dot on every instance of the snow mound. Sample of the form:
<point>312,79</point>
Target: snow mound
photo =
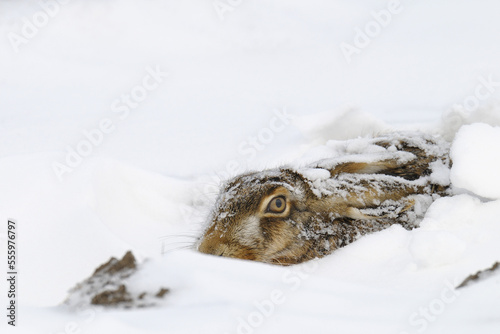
<point>347,123</point>
<point>455,118</point>
<point>476,160</point>
<point>123,196</point>
<point>108,287</point>
<point>436,248</point>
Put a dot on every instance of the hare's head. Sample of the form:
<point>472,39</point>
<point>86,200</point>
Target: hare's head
<point>279,216</point>
<point>259,216</point>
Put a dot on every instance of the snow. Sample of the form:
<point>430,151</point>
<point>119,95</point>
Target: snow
<point>440,173</point>
<point>264,86</point>
<point>425,245</point>
<point>475,164</point>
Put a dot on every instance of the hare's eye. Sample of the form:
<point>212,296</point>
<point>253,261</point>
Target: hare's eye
<point>277,205</point>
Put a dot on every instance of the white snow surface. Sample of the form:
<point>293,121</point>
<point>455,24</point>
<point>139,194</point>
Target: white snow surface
<point>264,86</point>
<point>475,161</point>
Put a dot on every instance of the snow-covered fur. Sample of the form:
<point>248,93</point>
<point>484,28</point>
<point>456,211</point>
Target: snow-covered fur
<point>292,214</point>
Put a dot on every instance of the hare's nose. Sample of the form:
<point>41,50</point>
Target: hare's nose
<point>205,248</point>
<point>212,248</point>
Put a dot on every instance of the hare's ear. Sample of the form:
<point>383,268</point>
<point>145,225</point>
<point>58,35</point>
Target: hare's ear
<point>363,167</point>
<point>382,211</point>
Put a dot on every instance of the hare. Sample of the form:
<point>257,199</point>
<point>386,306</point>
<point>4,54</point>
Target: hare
<point>289,215</point>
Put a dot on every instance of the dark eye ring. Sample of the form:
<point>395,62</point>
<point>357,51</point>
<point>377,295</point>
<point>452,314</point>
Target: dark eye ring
<point>277,205</point>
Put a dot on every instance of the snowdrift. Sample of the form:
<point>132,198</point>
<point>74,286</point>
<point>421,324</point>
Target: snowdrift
<point>391,281</point>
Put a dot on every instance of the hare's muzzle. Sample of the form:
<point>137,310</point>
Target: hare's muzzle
<point>219,247</point>
<point>215,242</point>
